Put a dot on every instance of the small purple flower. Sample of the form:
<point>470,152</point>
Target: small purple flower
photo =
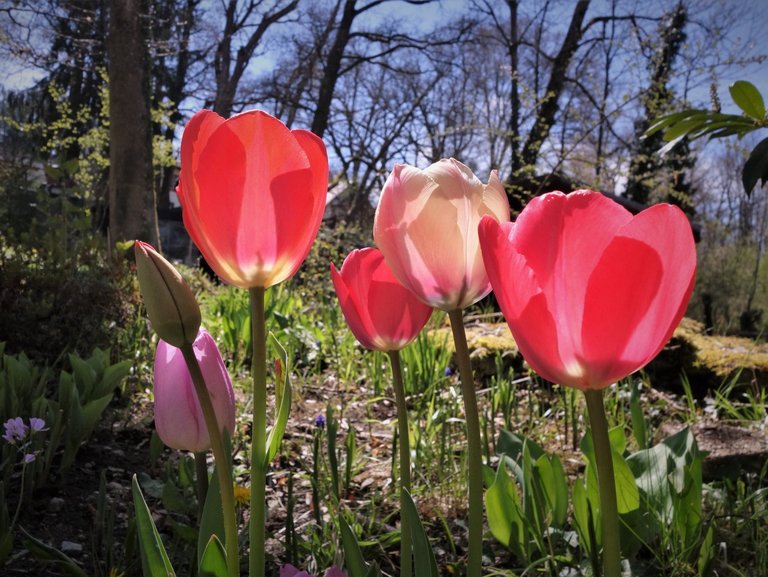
<point>320,421</point>
<point>36,425</point>
<point>448,371</point>
<point>28,458</point>
<point>15,430</point>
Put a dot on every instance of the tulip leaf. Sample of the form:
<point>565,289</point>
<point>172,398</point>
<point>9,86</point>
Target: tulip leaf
<point>50,555</point>
<point>353,557</point>
<point>505,518</point>
<point>748,98</point>
<point>756,167</point>
<point>424,564</point>
<point>214,560</point>
<point>627,493</point>
<point>275,436</point>
<point>154,559</point>
<point>212,519</point>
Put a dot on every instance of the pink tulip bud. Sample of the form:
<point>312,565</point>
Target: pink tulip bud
<point>171,306</point>
<point>253,194</point>
<point>591,293</point>
<point>178,417</point>
<point>382,314</point>
<point>426,226</point>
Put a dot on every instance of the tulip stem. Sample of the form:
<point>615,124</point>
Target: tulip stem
<point>609,513</point>
<point>256,529</point>
<point>201,480</point>
<point>474,447</point>
<point>406,560</point>
<point>223,460</point>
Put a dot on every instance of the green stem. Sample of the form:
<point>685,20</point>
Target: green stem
<point>406,560</point>
<point>201,481</point>
<point>609,513</point>
<point>223,460</point>
<point>256,533</point>
<point>474,447</point>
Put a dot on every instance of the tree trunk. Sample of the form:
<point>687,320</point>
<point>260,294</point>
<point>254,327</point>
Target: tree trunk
<point>333,69</point>
<point>132,211</point>
<point>549,105</point>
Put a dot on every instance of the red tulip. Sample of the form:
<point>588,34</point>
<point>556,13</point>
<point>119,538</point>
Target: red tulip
<point>178,417</point>
<point>382,314</point>
<point>426,226</point>
<point>590,292</point>
<point>253,194</point>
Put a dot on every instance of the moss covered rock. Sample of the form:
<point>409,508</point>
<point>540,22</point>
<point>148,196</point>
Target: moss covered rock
<point>706,361</point>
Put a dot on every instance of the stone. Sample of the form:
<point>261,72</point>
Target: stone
<point>70,547</point>
<point>730,450</point>
<point>56,504</point>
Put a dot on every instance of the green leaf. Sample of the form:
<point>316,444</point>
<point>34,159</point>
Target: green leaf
<point>505,518</point>
<point>707,553</point>
<point>154,559</point>
<point>275,436</point>
<point>112,377</point>
<point>353,557</point>
<point>667,120</point>
<point>424,564</point>
<point>85,375</point>
<point>6,546</point>
<point>214,560</point>
<point>756,167</point>
<point>48,554</point>
<point>682,128</point>
<point>639,429</point>
<point>749,99</point>
<point>627,493</point>
<point>212,519</point>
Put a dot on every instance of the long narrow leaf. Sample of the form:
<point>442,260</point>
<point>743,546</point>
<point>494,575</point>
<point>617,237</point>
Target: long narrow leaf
<point>212,519</point>
<point>424,564</point>
<point>275,436</point>
<point>52,556</point>
<point>154,559</point>
<point>353,557</point>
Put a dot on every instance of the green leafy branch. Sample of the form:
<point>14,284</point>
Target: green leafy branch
<point>695,123</point>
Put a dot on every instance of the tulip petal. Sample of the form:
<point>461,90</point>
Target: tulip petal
<point>253,194</point>
<point>665,229</point>
<point>358,323</point>
<point>562,238</point>
<point>426,226</point>
<point>521,300</point>
<point>178,417</point>
<point>382,314</point>
<point>619,295</point>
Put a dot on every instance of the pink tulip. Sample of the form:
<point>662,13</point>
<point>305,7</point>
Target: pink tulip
<point>178,417</point>
<point>382,313</point>
<point>253,194</point>
<point>590,292</point>
<point>426,226</point>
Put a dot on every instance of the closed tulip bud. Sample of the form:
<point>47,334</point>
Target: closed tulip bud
<point>171,306</point>
<point>178,416</point>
